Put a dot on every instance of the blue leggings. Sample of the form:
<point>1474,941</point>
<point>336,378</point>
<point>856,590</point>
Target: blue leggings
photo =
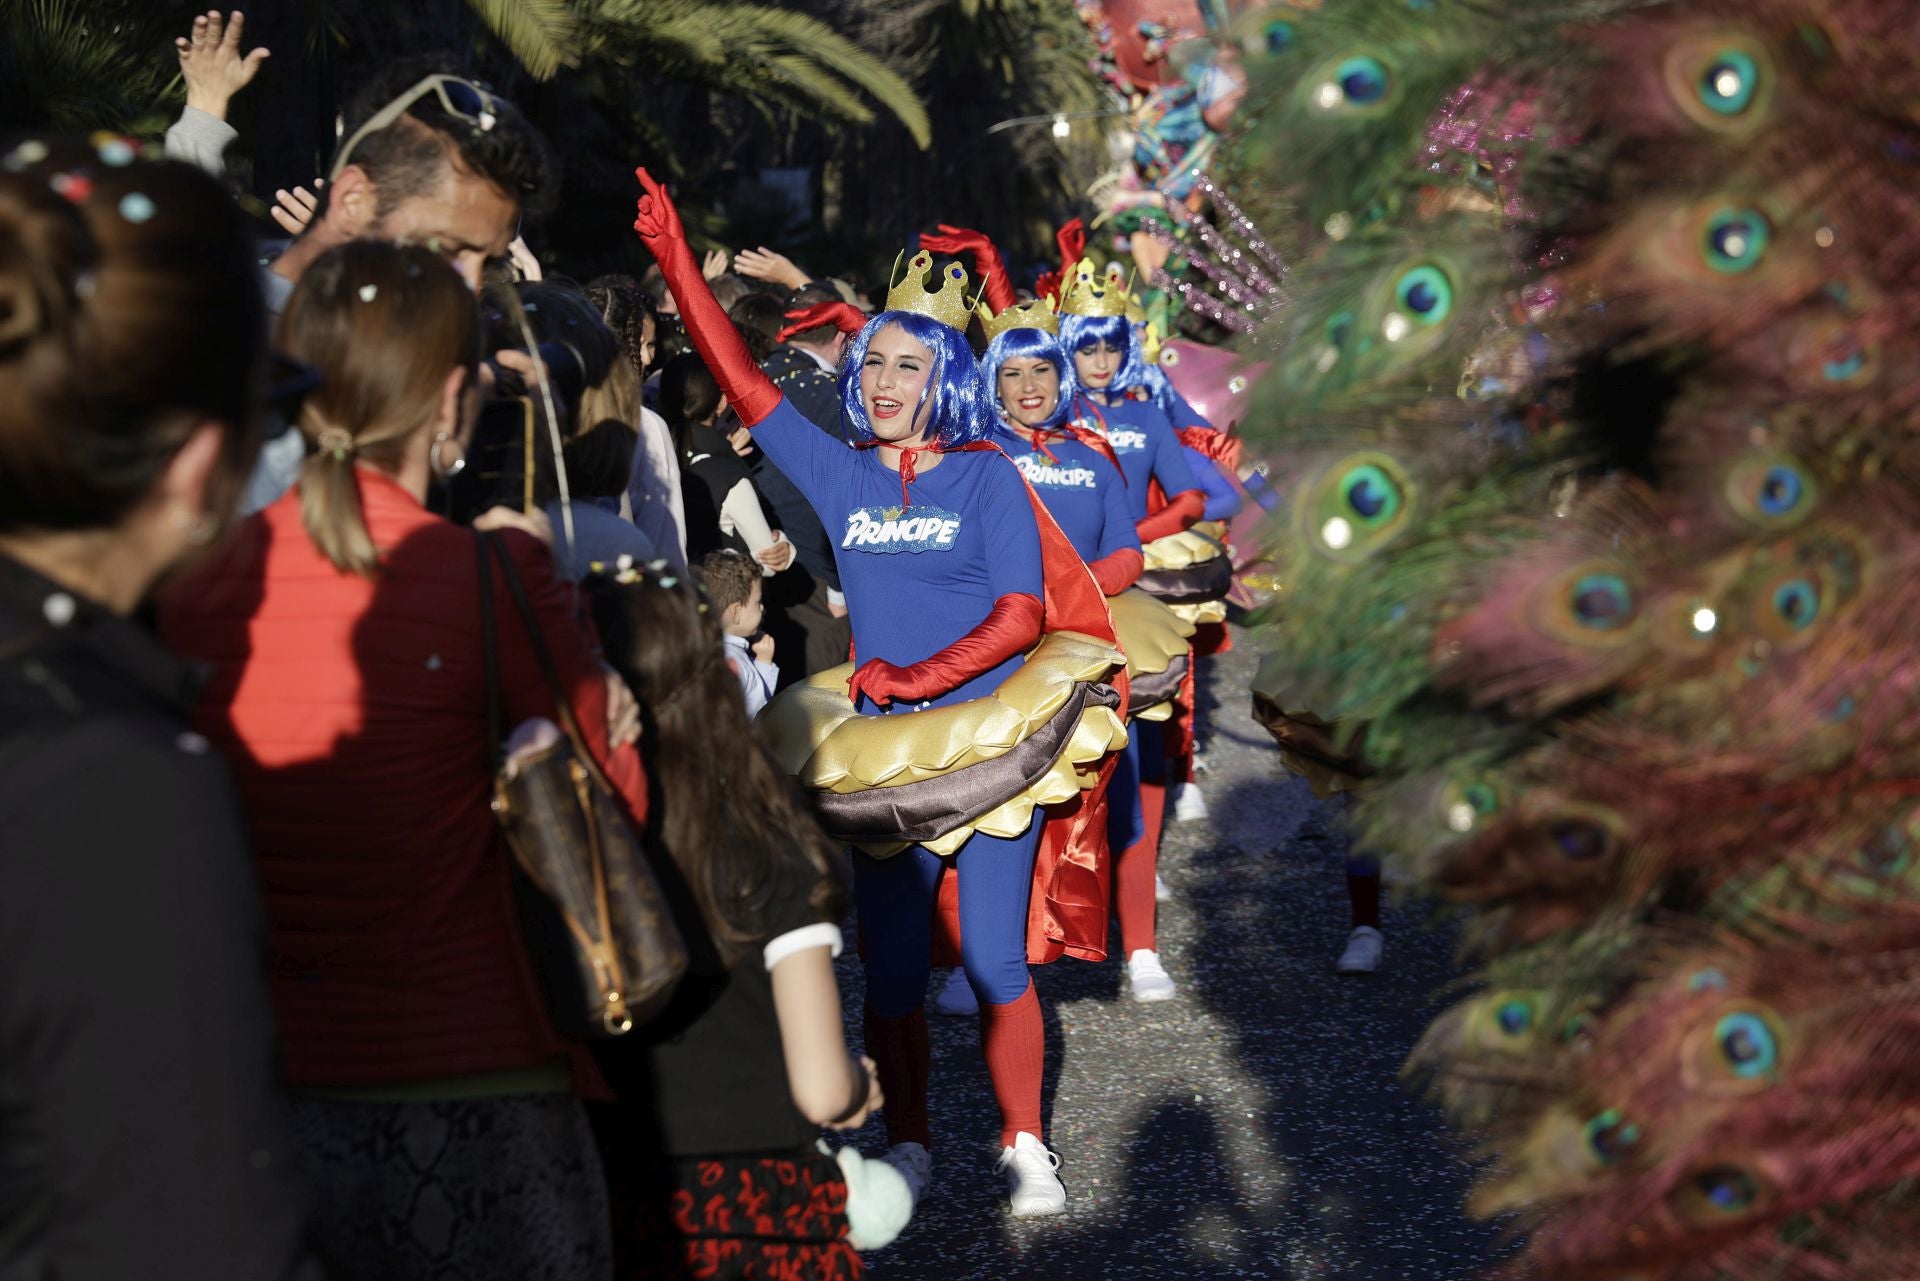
<point>895,897</point>
<point>1143,761</point>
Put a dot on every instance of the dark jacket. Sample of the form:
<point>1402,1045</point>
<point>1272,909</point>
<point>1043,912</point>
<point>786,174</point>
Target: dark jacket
<point>810,389</point>
<point>139,1132</point>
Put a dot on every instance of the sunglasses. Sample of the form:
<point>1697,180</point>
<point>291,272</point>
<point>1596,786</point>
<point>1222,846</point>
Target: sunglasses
<point>461,99</point>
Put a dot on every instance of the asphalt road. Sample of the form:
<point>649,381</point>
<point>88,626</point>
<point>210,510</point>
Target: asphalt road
<point>1254,1126</point>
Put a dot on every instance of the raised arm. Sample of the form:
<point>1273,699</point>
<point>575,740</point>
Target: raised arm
<point>988,266</point>
<point>808,456</point>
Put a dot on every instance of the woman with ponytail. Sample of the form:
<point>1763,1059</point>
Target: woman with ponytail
<point>350,689</point>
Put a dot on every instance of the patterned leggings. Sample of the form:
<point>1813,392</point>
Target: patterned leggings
<point>461,1190</point>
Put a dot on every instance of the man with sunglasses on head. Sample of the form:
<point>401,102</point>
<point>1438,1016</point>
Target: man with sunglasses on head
<point>429,158</point>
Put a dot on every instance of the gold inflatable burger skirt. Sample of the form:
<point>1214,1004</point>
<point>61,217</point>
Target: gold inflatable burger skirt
<point>1190,574</point>
<point>1156,641</point>
<point>935,777</point>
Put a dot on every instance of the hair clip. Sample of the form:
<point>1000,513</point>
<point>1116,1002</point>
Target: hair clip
<point>114,151</point>
<point>136,208</point>
<point>369,292</point>
<point>75,187</point>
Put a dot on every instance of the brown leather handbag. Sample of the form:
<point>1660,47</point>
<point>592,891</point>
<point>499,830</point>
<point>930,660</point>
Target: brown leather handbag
<point>603,937</point>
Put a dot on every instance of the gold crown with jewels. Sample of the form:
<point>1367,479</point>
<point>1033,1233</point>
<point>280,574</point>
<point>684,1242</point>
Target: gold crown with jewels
<point>947,304</point>
<point>1038,314</point>
<point>1093,294</point>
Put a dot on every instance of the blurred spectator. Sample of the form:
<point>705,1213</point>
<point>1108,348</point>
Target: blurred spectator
<point>214,70</point>
<point>653,488</point>
<point>761,317</point>
<point>143,1136</point>
<point>806,368</point>
<point>723,507</point>
<point>343,628</point>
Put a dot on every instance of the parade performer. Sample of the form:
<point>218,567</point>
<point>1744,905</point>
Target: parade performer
<point>952,572</point>
<point>1077,475</point>
<point>1109,374</point>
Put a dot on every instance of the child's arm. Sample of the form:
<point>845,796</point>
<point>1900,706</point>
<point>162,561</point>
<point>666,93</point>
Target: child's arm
<point>829,1086</point>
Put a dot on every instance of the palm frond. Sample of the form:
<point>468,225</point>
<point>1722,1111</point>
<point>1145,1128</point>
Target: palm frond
<point>542,34</point>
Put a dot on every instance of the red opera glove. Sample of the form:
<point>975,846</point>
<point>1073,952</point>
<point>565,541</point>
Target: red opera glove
<point>1072,240</point>
<point>1220,446</point>
<point>1011,628</point>
<point>1117,571</point>
<point>750,392</point>
<point>1181,511</point>
<point>844,316</point>
<point>987,263</point>
<point>1048,285</point>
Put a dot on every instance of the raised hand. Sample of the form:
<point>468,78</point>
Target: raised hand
<point>765,264</point>
<point>715,264</point>
<point>658,222</point>
<point>293,210</point>
<point>954,241</point>
<point>211,62</point>
<point>845,317</point>
<point>1072,240</point>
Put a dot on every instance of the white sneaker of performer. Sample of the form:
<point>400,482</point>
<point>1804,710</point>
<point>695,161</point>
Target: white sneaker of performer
<point>1362,956</point>
<point>1189,806</point>
<point>1149,978</point>
<point>1032,1186</point>
<point>955,998</point>
<point>915,1164</point>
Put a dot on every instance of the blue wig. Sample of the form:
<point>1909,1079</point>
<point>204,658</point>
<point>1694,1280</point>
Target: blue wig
<point>1023,344</point>
<point>1080,332</point>
<point>962,412</point>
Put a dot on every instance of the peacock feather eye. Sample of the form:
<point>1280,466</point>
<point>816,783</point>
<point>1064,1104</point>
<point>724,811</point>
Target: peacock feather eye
<point>1735,240</point>
<point>1707,980</point>
<point>1358,505</point>
<point>1796,603</point>
<point>1748,1045</point>
<point>1726,1189</point>
<point>1601,602</point>
<point>1339,328</point>
<point>1426,294</point>
<point>1363,80</point>
<point>1771,491</point>
<point>1279,36</point>
<point>1579,840</point>
<point>1610,1135</point>
<point>1514,1016</point>
<point>1728,82</point>
<point>1357,82</point>
<point>1844,367</point>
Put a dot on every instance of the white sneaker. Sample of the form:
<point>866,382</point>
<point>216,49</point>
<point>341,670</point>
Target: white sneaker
<point>1032,1186</point>
<point>1162,892</point>
<point>956,998</point>
<point>1189,806</point>
<point>915,1164</point>
<point>1362,956</point>
<point>1148,977</point>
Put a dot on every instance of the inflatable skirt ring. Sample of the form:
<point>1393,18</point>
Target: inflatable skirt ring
<point>1190,574</point>
<point>934,777</point>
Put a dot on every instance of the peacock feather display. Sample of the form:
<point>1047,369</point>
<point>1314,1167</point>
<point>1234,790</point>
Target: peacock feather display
<point>1595,409</point>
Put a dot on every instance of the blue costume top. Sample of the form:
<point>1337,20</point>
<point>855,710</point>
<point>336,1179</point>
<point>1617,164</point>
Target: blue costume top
<point>917,577</point>
<point>1083,492</point>
<point>1147,447</point>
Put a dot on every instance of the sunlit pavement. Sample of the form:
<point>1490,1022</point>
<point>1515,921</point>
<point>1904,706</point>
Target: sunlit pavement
<point>1255,1126</point>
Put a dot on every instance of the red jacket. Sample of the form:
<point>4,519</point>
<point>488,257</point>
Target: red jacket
<point>353,712</point>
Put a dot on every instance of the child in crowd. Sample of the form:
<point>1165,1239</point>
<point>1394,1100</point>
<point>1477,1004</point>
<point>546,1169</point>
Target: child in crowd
<point>711,1152</point>
<point>733,588</point>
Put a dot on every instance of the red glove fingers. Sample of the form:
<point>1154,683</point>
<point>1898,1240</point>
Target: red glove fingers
<point>1181,511</point>
<point>750,392</point>
<point>1011,628</point>
<point>1117,571</point>
<point>987,263</point>
<point>845,317</point>
<point>1072,240</point>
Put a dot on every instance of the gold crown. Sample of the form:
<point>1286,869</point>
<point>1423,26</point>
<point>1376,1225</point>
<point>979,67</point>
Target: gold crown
<point>1037,314</point>
<point>1091,294</point>
<point>947,304</point>
<point>1116,279</point>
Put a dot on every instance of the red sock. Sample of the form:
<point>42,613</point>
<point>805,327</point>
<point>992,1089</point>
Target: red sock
<point>1364,893</point>
<point>1134,871</point>
<point>1014,1040</point>
<point>902,1056</point>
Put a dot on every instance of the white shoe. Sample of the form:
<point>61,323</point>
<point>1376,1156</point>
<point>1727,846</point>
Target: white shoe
<point>915,1164</point>
<point>1162,892</point>
<point>1362,956</point>
<point>956,998</point>
<point>1148,977</point>
<point>1189,806</point>
<point>1032,1186</point>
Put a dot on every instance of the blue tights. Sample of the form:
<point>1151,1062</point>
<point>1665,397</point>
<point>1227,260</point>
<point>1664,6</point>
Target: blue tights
<point>895,897</point>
